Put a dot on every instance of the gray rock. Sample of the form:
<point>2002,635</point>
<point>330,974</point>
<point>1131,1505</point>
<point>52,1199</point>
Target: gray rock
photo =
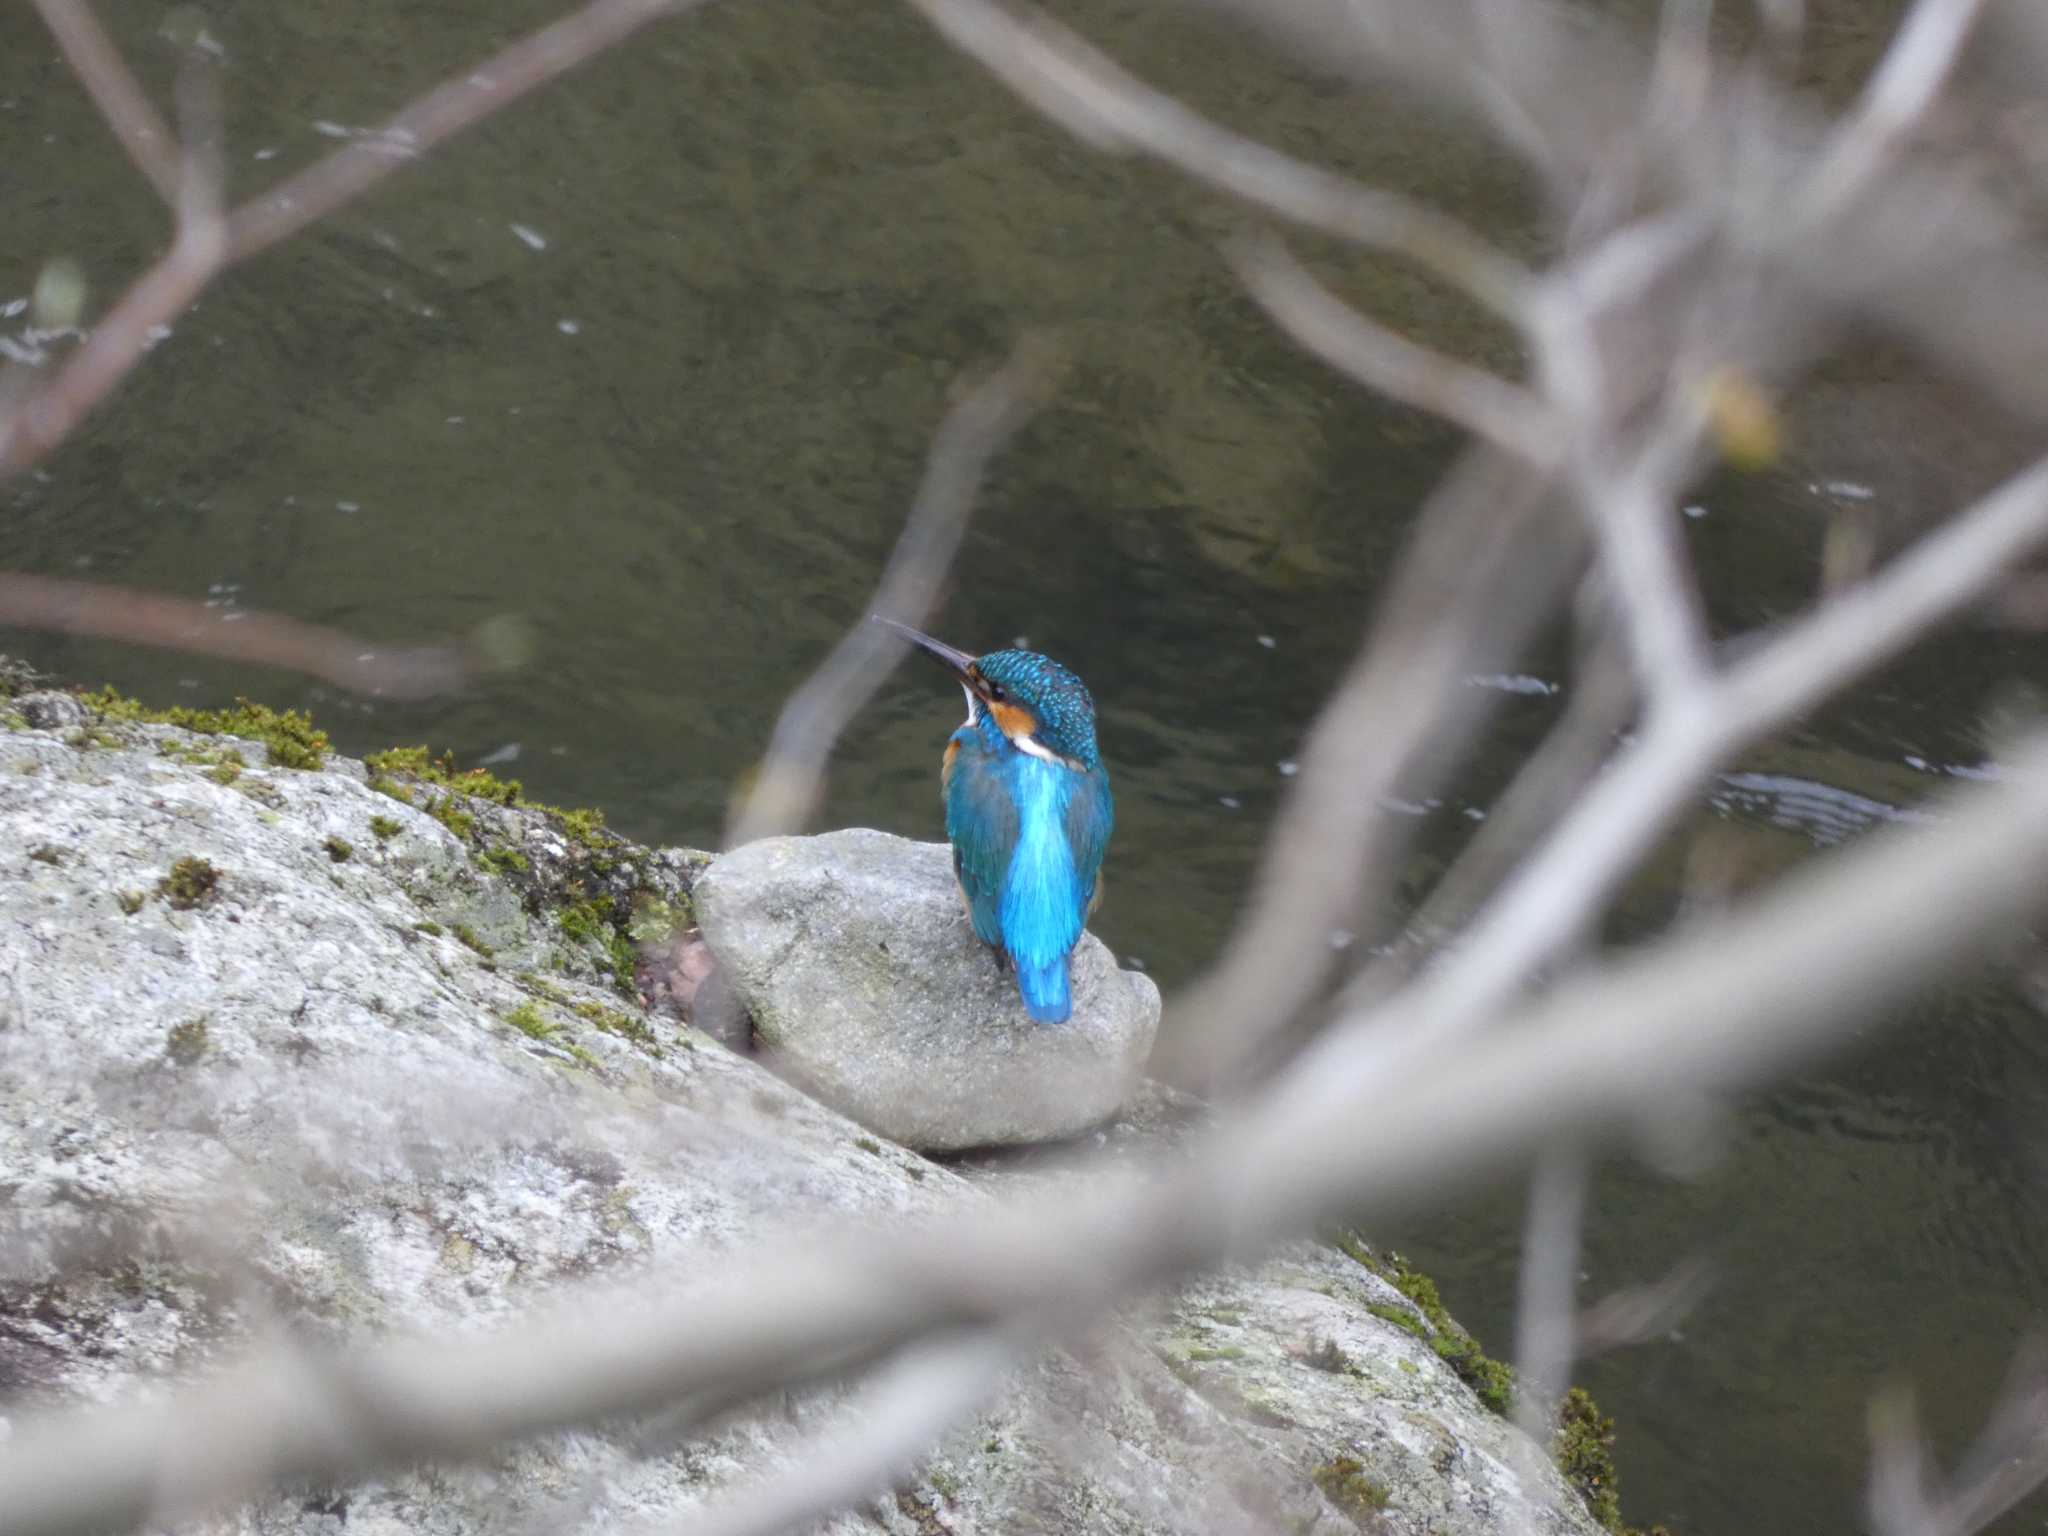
<point>302,1107</point>
<point>50,711</point>
<point>863,977</point>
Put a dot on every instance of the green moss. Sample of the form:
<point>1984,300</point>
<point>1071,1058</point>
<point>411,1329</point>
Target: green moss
<point>383,828</point>
<point>529,1021</point>
<point>452,816</point>
<point>338,850</point>
<point>609,925</point>
<point>1203,1353</point>
<point>130,901</point>
<point>1493,1381</point>
<point>582,826</point>
<point>467,935</point>
<point>505,861</point>
<point>47,853</point>
<point>592,922</point>
<point>431,929</point>
<point>1400,1317</point>
<point>186,1043</point>
<point>1345,1483</point>
<point>868,1144</point>
<point>417,763</point>
<point>192,882</point>
<point>614,1022</point>
<point>1582,1447</point>
<point>288,736</point>
<point>1583,1450</point>
<point>583,922</point>
<point>226,773</point>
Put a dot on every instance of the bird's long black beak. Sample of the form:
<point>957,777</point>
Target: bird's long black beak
<point>956,662</point>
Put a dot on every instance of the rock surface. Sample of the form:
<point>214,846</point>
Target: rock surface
<point>294,1099</point>
<point>865,980</point>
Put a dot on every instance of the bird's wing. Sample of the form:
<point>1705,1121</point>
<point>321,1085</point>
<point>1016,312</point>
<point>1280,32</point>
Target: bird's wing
<point>981,824</point>
<point>1091,816</point>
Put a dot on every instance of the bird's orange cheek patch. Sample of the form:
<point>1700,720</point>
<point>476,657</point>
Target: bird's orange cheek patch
<point>1016,721</point>
<point>946,766</point>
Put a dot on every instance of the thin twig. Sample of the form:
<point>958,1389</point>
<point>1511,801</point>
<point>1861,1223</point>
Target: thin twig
<point>787,787</point>
<point>1553,895</point>
<point>1637,1314</point>
<point>116,92</point>
<point>1486,561</point>
<point>1904,88</point>
<point>891,1425</point>
<point>1489,407</point>
<point>238,634</point>
<point>1545,1342</point>
<point>1087,92</point>
<point>34,427</point>
<point>461,101</point>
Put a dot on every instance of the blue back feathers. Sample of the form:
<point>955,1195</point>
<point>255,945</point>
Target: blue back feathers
<point>1028,834</point>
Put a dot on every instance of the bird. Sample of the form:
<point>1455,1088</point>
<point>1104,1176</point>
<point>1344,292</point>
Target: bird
<point>1028,812</point>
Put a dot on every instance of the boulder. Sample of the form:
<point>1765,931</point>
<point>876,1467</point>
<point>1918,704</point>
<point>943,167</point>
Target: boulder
<point>868,986</point>
<point>290,1099</point>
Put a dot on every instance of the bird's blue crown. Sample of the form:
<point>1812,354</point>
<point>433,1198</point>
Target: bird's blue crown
<point>1060,700</point>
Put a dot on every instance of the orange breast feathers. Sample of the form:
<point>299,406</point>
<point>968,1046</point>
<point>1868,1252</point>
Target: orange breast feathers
<point>946,764</point>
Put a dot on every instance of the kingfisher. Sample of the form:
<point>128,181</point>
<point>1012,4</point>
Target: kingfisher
<point>1028,812</point>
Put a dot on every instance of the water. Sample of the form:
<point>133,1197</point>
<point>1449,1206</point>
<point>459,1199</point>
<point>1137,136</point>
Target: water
<point>652,363</point>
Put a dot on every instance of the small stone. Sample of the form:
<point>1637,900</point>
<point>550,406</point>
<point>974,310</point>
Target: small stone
<point>51,711</point>
<point>867,985</point>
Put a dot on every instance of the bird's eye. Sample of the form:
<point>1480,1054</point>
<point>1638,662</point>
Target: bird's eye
<point>997,693</point>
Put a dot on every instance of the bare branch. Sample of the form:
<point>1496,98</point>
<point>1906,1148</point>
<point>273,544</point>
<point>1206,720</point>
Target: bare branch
<point>50,414</point>
<point>1629,505</point>
<point>792,775</point>
<point>1551,897</point>
<point>1488,407</point>
<point>205,245</point>
<point>2007,1463</point>
<point>1545,1308</point>
<point>890,1426</point>
<point>1908,80</point>
<point>1487,559</point>
<point>1639,1313</point>
<point>116,92</point>
<point>239,634</point>
<point>1088,93</point>
<point>460,102</point>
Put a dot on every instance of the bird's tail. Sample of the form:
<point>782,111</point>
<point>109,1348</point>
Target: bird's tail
<point>1044,985</point>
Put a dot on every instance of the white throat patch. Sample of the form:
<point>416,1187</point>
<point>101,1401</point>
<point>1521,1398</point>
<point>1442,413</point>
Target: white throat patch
<point>1033,747</point>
